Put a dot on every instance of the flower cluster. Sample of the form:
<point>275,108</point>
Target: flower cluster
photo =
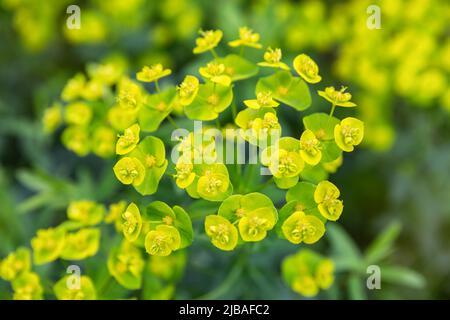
<point>306,272</point>
<point>300,165</point>
<point>87,110</point>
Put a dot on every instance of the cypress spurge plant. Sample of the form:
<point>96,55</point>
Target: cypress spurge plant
<point>155,234</point>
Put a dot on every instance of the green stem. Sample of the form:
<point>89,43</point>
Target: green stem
<point>332,109</point>
<point>106,285</point>
<point>218,123</point>
<point>229,281</point>
<point>172,122</point>
<point>234,110</point>
<point>241,51</point>
<point>248,175</point>
<point>214,53</point>
<point>157,86</point>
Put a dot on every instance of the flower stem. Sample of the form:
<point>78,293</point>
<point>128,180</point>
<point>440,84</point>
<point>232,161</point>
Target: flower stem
<point>241,51</point>
<point>230,280</point>
<point>214,53</point>
<point>332,109</point>
<point>157,86</point>
<point>172,122</point>
<point>106,285</point>
<point>234,110</point>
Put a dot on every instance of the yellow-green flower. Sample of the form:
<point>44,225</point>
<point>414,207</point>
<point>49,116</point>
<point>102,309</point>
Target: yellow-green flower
<point>349,133</point>
<point>326,196</point>
<point>108,73</point>
<point>284,161</point>
<point>213,185</point>
<point>215,72</point>
<point>129,170</point>
<point>52,118</point>
<point>325,274</point>
<point>103,141</point>
<point>169,268</point>
<point>332,166</point>
<point>125,263</point>
<point>163,240</point>
<point>306,286</point>
<point>187,90</point>
<point>74,87</point>
<point>306,272</point>
<point>287,164</point>
<point>170,228</point>
<point>208,41</point>
<point>93,90</point>
<point>121,118</point>
<point>337,98</point>
<point>307,68</point>
<point>47,245</point>
<point>185,175</point>
<point>76,139</point>
<point>130,95</point>
<point>131,222</point>
<point>153,73</point>
<point>259,126</point>
<point>247,38</point>
<point>151,153</point>
<point>299,227</point>
<point>81,244</point>
<point>310,148</point>
<point>253,226</point>
<point>263,100</point>
<point>87,212</point>
<point>222,233</point>
<point>84,290</point>
<point>115,214</point>
<point>129,140</point>
<point>272,59</point>
<point>27,287</point>
<point>15,264</point>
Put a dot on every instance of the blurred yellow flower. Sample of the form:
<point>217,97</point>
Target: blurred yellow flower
<point>272,59</point>
<point>246,38</point>
<point>153,73</point>
<point>208,41</point>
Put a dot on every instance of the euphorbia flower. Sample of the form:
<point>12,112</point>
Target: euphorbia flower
<point>253,226</point>
<point>299,227</point>
<point>263,99</point>
<point>128,141</point>
<point>162,241</point>
<point>208,41</point>
<point>85,290</point>
<point>326,196</point>
<point>349,133</point>
<point>272,59</point>
<point>310,148</point>
<point>130,171</point>
<point>215,72</point>
<point>247,38</point>
<point>337,98</point>
<point>222,233</point>
<point>187,90</point>
<point>47,245</point>
<point>153,73</point>
<point>307,68</point>
<point>131,222</point>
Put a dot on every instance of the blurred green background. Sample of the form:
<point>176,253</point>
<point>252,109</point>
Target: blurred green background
<point>397,185</point>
